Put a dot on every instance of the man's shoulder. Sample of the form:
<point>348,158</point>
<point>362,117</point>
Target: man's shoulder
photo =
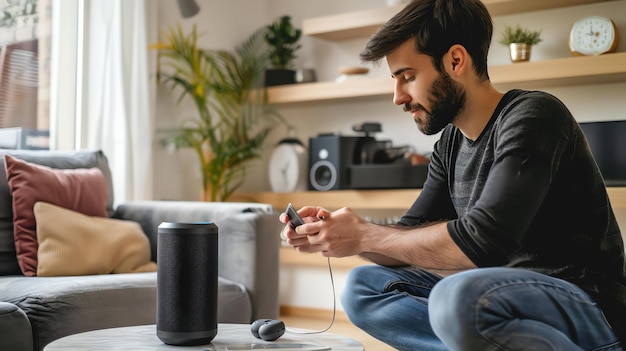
<point>516,97</point>
<point>526,105</point>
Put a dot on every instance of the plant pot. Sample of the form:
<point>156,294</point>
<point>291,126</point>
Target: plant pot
<point>519,52</point>
<point>279,77</point>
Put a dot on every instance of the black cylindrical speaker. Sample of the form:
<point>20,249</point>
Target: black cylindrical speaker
<point>187,283</point>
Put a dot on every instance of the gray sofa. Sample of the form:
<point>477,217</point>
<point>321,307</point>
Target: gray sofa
<point>37,310</point>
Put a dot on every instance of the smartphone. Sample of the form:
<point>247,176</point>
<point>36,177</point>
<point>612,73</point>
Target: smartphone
<point>294,218</point>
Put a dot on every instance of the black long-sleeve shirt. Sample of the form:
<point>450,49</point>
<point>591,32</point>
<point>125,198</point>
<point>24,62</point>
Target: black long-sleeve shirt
<point>527,193</point>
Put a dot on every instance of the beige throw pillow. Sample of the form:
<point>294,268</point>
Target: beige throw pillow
<point>71,243</point>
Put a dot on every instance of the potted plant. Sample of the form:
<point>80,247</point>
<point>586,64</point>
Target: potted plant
<point>282,39</point>
<point>520,41</point>
<point>233,117</point>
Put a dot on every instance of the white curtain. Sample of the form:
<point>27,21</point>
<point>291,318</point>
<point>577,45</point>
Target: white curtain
<point>116,95</point>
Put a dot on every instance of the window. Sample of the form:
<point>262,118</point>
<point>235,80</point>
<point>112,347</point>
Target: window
<point>25,37</point>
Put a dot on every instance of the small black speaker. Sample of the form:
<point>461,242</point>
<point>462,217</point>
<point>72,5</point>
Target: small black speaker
<point>329,158</point>
<point>187,283</point>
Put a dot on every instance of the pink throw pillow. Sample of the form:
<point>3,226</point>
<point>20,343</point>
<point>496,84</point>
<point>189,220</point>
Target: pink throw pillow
<point>82,190</point>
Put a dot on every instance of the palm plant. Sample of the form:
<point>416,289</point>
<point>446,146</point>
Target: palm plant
<point>233,114</point>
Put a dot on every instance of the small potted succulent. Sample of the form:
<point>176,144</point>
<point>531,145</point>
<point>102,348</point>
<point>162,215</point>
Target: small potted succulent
<point>282,39</point>
<point>520,41</point>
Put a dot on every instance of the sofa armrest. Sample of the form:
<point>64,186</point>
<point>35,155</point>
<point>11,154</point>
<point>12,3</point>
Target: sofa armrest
<point>248,238</point>
<point>15,330</point>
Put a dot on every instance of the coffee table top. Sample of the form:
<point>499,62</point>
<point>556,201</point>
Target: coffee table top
<point>230,337</point>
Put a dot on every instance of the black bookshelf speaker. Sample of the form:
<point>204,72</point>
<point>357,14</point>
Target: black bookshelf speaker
<point>187,283</point>
<point>329,158</point>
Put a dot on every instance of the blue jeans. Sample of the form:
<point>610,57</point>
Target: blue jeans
<point>481,309</point>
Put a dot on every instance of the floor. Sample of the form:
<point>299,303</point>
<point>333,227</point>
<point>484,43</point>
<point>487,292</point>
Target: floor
<point>339,327</point>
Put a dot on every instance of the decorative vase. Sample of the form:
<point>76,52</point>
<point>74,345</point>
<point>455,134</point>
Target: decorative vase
<point>519,52</point>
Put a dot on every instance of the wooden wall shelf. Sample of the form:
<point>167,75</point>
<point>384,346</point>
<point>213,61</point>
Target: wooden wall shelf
<point>567,71</point>
<point>352,25</point>
<point>325,91</point>
<point>367,199</point>
<point>362,24</point>
<point>332,200</point>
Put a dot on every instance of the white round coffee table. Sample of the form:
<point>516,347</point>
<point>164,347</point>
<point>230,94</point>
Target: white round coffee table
<point>229,337</point>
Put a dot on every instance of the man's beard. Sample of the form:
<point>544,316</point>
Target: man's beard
<point>447,100</point>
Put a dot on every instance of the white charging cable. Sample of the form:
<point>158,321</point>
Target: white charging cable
<point>332,321</point>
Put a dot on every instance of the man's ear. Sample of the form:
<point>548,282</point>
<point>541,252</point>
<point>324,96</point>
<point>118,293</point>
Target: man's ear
<point>458,59</point>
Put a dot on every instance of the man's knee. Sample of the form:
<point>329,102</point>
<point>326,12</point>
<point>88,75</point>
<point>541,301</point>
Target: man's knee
<point>354,289</point>
<point>451,306</point>
<point>456,301</point>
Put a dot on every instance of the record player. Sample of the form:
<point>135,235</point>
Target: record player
<point>363,162</point>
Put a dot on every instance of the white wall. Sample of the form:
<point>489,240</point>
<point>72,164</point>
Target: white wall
<point>227,24</point>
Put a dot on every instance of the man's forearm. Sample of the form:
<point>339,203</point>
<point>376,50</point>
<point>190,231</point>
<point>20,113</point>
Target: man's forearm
<point>429,247</point>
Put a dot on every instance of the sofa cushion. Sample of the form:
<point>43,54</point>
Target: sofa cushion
<point>82,189</point>
<point>71,243</point>
<point>54,159</point>
<point>60,306</point>
<point>15,328</point>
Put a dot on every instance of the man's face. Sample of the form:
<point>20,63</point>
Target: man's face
<point>434,99</point>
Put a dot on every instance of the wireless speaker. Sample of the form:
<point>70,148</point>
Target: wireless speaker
<point>187,283</point>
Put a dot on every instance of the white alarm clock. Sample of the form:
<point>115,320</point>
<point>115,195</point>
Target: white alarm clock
<point>593,35</point>
<point>288,166</point>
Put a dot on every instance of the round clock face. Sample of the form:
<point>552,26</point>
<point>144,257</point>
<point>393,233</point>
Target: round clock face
<point>593,35</point>
<point>287,168</point>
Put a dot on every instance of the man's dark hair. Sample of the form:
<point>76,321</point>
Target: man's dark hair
<point>436,25</point>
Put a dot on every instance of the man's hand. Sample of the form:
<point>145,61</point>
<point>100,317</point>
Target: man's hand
<point>300,240</point>
<point>334,234</point>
